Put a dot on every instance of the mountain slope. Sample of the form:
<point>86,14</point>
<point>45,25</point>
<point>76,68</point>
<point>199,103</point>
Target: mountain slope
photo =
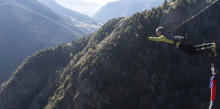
<point>37,7</point>
<point>26,27</point>
<point>114,69</point>
<point>85,23</point>
<point>123,8</point>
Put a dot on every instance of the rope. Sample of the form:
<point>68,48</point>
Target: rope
<point>194,16</point>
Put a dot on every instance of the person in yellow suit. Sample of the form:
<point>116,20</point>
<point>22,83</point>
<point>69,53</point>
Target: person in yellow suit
<point>180,42</point>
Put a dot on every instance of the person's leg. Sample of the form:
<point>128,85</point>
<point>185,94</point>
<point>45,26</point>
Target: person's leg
<point>204,45</point>
<point>207,47</point>
<point>205,50</point>
<point>187,48</point>
<point>191,50</point>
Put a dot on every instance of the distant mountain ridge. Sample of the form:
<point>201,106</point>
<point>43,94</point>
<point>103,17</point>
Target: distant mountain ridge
<point>81,6</point>
<point>123,8</point>
<point>37,7</point>
<point>27,26</point>
<point>85,23</point>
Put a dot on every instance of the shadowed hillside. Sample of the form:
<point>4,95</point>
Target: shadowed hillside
<point>27,26</point>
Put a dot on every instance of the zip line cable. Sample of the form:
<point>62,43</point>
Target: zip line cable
<point>196,10</point>
<point>194,16</point>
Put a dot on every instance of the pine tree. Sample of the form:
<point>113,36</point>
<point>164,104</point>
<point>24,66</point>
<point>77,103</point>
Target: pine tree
<point>165,4</point>
<point>182,3</point>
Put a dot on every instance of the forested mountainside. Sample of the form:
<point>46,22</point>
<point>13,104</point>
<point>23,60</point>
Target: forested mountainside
<point>114,68</point>
<point>26,26</point>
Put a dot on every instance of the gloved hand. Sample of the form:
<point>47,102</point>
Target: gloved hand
<point>146,35</point>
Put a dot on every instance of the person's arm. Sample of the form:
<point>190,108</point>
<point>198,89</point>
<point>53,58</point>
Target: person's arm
<point>161,38</point>
<point>154,38</point>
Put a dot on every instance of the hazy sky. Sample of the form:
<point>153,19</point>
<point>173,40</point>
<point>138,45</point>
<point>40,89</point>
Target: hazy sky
<point>86,7</point>
<point>102,2</point>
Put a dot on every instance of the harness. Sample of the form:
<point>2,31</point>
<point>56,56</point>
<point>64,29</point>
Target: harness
<point>174,38</point>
